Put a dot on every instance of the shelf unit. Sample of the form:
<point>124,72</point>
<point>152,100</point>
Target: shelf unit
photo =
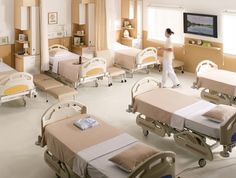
<point>27,24</point>
<point>204,47</point>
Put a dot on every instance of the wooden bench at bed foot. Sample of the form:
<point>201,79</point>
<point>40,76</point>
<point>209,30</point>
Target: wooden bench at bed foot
<point>53,87</point>
<point>115,71</point>
<point>177,64</point>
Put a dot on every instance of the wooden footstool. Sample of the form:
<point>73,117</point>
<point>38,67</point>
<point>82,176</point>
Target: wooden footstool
<point>63,92</point>
<point>113,72</point>
<point>178,65</point>
<point>48,84</point>
<point>39,77</point>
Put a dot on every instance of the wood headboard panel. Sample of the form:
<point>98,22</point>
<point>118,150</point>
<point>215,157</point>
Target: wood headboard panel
<point>64,41</point>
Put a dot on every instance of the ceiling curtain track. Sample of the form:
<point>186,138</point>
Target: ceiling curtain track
<point>101,32</point>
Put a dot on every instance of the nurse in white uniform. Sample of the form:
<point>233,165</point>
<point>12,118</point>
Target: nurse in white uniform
<point>167,61</point>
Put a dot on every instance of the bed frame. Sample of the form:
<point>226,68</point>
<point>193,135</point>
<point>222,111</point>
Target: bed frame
<point>193,141</point>
<point>92,70</point>
<point>16,86</point>
<point>211,95</point>
<point>157,166</point>
<point>144,59</point>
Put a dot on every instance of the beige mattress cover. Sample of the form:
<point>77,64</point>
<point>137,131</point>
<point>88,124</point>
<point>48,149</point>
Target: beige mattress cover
<point>68,70</point>
<point>126,58</point>
<point>159,104</point>
<point>65,140</point>
<point>222,81</point>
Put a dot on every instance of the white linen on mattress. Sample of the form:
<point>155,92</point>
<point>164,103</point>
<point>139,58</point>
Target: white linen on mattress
<point>84,157</point>
<point>55,60</point>
<point>117,46</point>
<point>179,117</point>
<point>4,67</point>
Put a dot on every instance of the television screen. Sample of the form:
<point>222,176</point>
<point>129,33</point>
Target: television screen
<point>200,24</point>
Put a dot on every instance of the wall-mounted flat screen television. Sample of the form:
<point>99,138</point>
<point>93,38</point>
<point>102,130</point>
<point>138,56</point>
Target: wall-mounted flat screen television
<point>200,24</point>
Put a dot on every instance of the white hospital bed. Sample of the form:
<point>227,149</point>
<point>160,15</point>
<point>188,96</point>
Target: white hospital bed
<point>15,85</point>
<point>166,112</point>
<point>132,59</point>
<point>92,160</point>
<point>219,86</point>
<point>66,68</point>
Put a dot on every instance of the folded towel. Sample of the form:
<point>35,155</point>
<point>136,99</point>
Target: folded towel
<point>86,123</point>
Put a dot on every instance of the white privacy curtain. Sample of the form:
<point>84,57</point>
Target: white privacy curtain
<point>160,18</point>
<point>44,36</point>
<point>229,28</point>
<point>111,22</point>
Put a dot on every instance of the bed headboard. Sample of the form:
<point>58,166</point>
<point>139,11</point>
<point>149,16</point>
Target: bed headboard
<point>57,46</point>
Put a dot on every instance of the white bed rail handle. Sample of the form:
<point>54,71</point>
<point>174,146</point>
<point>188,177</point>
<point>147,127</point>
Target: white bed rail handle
<point>72,107</point>
<point>142,86</point>
<point>205,65</point>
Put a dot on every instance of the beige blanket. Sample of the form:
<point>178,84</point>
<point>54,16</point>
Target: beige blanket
<point>221,81</point>
<point>59,140</point>
<point>126,58</point>
<point>159,104</point>
<point>69,70</point>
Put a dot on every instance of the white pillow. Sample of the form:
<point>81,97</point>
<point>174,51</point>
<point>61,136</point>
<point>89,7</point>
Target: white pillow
<point>58,52</point>
<point>220,113</point>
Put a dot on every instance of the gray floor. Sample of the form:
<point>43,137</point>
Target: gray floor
<point>20,126</point>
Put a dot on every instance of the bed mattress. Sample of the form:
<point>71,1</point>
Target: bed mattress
<point>65,147</point>
<point>221,81</point>
<point>5,70</point>
<point>159,104</point>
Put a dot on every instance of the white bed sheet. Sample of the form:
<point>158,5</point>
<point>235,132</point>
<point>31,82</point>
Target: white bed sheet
<point>117,46</point>
<point>91,157</point>
<point>4,67</point>
<point>54,61</point>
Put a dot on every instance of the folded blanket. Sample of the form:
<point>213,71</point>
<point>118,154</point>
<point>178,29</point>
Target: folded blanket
<point>86,123</point>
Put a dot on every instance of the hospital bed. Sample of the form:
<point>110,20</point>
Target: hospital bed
<point>65,66</point>
<point>73,153</point>
<point>133,59</point>
<point>15,85</point>
<point>165,112</point>
<point>219,86</point>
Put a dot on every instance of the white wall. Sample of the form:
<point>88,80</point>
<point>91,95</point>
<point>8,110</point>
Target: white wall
<point>63,8</point>
<point>200,6</point>
<point>7,19</point>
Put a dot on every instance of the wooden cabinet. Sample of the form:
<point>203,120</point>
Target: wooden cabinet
<point>27,2</point>
<point>78,15</point>
<point>7,54</point>
<point>30,64</point>
<point>128,9</point>
<point>22,18</point>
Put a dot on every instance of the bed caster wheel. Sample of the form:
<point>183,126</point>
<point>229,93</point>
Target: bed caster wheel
<point>122,81</point>
<point>202,162</point>
<point>224,154</point>
<point>145,132</point>
<point>46,101</point>
<point>96,84</point>
<point>58,176</point>
<point>125,81</point>
<point>182,72</point>
<point>35,96</point>
<point>110,84</point>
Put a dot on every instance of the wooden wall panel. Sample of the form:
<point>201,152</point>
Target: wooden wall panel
<point>7,53</point>
<point>65,41</point>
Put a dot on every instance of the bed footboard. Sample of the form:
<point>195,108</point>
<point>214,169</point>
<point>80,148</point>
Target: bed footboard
<point>142,86</point>
<point>59,111</point>
<point>147,56</point>
<point>17,85</point>
<point>159,165</point>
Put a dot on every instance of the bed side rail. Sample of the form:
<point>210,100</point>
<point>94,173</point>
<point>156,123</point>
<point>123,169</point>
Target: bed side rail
<point>147,55</point>
<point>228,132</point>
<point>159,165</point>
<point>142,86</point>
<point>93,67</point>
<point>58,112</point>
<point>57,46</point>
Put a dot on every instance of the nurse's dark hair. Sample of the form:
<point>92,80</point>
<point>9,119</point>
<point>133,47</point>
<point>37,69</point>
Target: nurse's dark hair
<point>169,31</point>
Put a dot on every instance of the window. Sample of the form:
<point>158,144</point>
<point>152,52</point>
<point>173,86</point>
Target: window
<point>160,18</point>
<point>228,32</point>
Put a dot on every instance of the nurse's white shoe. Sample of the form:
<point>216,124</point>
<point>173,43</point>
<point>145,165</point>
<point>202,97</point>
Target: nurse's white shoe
<point>176,86</point>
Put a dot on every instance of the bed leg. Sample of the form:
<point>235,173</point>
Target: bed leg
<point>24,101</point>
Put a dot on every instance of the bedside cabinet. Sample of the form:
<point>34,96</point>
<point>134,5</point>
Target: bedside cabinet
<point>87,52</point>
<point>30,64</point>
